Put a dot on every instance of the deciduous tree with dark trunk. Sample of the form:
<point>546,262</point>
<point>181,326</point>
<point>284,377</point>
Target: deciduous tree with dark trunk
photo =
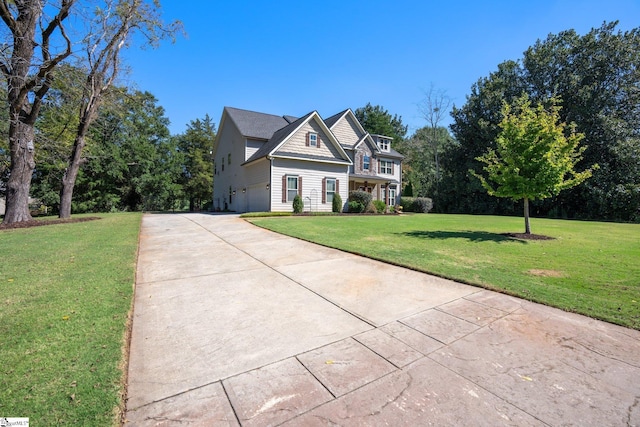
<point>28,78</point>
<point>112,28</point>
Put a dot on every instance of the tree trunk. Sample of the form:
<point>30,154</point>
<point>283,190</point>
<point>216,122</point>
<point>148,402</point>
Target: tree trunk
<point>70,175</point>
<point>22,166</point>
<point>527,228</point>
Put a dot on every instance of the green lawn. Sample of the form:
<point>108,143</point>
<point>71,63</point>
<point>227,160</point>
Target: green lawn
<point>66,293</point>
<point>592,268</point>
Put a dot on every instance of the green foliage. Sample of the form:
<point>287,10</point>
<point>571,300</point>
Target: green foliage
<point>474,250</point>
<point>362,197</point>
<point>298,204</point>
<point>533,158</point>
<point>596,77</point>
<point>416,204</point>
<point>421,166</point>
<point>380,206</point>
<point>144,167</point>
<point>64,319</point>
<point>408,190</point>
<point>355,207</point>
<point>336,203</point>
<point>196,146</point>
<point>377,120</point>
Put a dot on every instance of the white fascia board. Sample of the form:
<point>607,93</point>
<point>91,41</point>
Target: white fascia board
<point>333,162</point>
<point>326,130</point>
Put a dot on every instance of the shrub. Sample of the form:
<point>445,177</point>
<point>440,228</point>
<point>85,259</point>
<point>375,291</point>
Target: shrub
<point>380,206</point>
<point>416,204</point>
<point>362,197</point>
<point>298,204</point>
<point>422,204</point>
<point>336,204</point>
<point>407,203</point>
<point>355,207</point>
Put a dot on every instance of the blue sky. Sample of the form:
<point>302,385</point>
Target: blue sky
<point>292,57</point>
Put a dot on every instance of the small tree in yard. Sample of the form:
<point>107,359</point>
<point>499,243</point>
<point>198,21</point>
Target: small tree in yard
<point>533,158</point>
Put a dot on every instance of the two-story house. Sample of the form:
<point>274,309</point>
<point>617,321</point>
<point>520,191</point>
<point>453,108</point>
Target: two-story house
<point>262,161</point>
<point>376,167</point>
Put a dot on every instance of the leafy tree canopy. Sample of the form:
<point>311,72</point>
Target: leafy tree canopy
<point>596,76</point>
<point>377,120</point>
<point>533,158</point>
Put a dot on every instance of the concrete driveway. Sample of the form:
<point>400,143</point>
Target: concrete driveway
<point>235,325</point>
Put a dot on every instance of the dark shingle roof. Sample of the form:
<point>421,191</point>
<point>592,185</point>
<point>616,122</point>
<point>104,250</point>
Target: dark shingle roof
<point>256,125</point>
<point>276,138</point>
<point>333,119</point>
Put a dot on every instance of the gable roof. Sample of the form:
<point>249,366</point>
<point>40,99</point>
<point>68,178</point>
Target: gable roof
<point>277,138</point>
<point>334,119</point>
<point>282,135</point>
<point>252,124</point>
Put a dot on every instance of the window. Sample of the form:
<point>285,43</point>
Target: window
<point>331,190</point>
<point>383,144</point>
<point>366,164</point>
<point>223,164</point>
<point>292,187</point>
<point>313,139</point>
<point>386,167</point>
<point>229,159</point>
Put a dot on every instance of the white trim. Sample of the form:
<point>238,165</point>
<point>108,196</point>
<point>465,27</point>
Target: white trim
<point>279,156</point>
<point>325,129</point>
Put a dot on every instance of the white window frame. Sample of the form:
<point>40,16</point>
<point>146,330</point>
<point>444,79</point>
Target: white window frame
<point>383,144</point>
<point>290,189</point>
<point>313,139</point>
<point>386,167</point>
<point>329,194</point>
<point>366,163</point>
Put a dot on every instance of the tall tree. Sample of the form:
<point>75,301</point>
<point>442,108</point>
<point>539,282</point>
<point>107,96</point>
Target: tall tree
<point>28,79</point>
<point>434,107</point>
<point>419,167</point>
<point>196,146</point>
<point>377,120</point>
<point>112,29</point>
<point>533,158</point>
<point>596,76</point>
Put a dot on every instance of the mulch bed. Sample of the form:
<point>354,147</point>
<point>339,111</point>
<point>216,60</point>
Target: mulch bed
<point>525,236</point>
<point>39,223</point>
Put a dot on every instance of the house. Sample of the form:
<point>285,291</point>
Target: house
<point>262,161</point>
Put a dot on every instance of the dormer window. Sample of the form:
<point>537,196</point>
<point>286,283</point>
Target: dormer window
<point>383,144</point>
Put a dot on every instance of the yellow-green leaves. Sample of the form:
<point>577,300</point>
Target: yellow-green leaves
<point>535,154</point>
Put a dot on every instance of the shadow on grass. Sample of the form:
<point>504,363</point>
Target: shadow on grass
<point>472,236</point>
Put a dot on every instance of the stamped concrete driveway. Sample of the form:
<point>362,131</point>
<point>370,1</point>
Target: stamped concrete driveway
<point>235,325</point>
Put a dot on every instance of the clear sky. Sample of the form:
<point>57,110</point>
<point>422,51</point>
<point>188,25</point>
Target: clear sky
<point>293,57</point>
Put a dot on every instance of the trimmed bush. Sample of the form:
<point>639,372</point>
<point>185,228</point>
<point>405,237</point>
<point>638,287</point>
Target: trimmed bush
<point>336,204</point>
<point>298,204</point>
<point>380,206</point>
<point>355,207</point>
<point>362,197</point>
<point>416,204</point>
<point>422,204</point>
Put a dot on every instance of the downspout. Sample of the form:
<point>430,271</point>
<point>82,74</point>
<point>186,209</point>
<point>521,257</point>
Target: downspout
<point>270,184</point>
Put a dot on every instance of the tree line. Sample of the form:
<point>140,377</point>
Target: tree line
<point>131,162</point>
<point>595,81</point>
<point>115,152</point>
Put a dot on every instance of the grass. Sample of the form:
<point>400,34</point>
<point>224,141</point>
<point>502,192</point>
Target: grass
<point>590,268</point>
<point>66,295</point>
